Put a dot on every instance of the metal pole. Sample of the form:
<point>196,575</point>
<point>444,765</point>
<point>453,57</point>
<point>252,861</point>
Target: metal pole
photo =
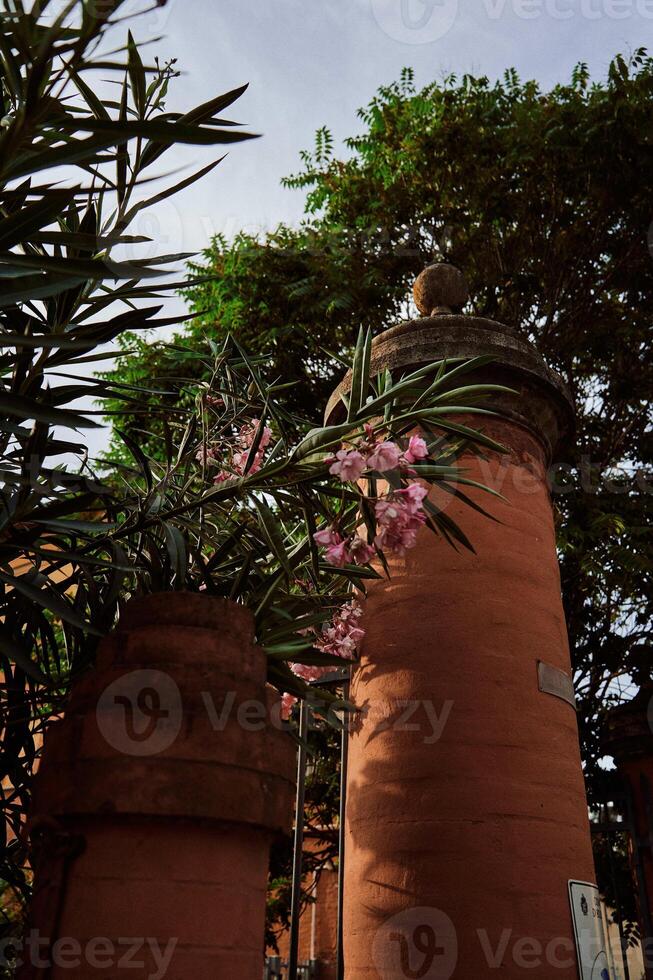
<point>340,962</point>
<point>638,845</point>
<point>620,921</point>
<point>298,843</point>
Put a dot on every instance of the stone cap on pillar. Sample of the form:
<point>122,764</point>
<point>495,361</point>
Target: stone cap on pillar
<point>543,404</point>
<point>170,651</point>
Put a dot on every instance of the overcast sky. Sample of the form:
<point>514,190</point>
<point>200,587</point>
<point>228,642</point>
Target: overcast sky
<point>315,62</point>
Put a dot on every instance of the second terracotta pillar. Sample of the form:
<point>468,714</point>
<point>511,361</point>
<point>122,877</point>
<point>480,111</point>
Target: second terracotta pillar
<point>466,809</point>
<point>157,799</point>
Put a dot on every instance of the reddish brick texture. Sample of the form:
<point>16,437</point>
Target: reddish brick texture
<point>170,845</point>
<point>466,810</point>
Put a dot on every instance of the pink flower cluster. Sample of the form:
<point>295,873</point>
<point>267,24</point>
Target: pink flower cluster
<point>239,454</point>
<point>399,516</point>
<point>340,637</point>
<point>214,401</point>
<point>288,702</point>
<point>245,440</point>
<point>206,454</point>
<point>374,454</point>
<point>344,551</point>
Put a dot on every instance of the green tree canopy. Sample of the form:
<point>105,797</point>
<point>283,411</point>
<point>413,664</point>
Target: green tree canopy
<point>543,199</point>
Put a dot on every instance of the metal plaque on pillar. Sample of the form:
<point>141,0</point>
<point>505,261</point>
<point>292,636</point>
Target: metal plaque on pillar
<point>587,917</point>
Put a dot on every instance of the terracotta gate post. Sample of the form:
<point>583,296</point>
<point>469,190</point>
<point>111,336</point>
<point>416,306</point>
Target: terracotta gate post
<point>156,801</point>
<point>466,809</point>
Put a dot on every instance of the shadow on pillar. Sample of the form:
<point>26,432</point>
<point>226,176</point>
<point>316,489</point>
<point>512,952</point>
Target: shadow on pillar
<point>466,807</point>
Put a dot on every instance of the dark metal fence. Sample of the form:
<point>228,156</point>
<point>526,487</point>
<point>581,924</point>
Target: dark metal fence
<point>293,969</point>
<point>618,851</point>
<point>277,969</point>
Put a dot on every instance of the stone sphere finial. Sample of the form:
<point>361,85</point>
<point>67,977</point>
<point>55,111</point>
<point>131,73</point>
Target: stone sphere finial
<point>440,288</point>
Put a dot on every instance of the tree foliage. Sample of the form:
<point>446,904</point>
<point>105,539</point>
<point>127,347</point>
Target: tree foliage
<point>543,198</point>
<point>76,543</point>
<point>73,169</point>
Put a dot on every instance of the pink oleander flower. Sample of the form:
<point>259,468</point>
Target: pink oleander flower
<point>417,449</point>
<point>266,437</point>
<point>327,536</point>
<point>308,672</point>
<point>384,456</point>
<point>350,612</point>
<point>206,454</point>
<point>360,552</point>
<point>348,465</point>
<point>336,547</point>
<point>387,510</point>
<point>215,401</point>
<point>396,538</point>
<point>249,431</point>
<point>337,554</point>
<point>342,636</point>
<point>400,515</point>
<point>341,551</point>
<point>239,458</point>
<point>239,462</point>
<point>245,440</point>
<point>288,702</point>
<point>413,494</point>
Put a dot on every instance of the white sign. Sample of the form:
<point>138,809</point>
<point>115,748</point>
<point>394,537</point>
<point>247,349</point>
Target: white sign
<point>588,931</point>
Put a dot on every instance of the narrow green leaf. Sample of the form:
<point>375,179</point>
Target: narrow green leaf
<point>136,75</point>
<point>18,405</point>
<point>45,599</point>
<point>274,534</point>
<point>18,652</point>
